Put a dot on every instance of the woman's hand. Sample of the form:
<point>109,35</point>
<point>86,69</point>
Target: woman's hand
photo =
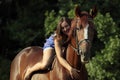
<point>74,73</point>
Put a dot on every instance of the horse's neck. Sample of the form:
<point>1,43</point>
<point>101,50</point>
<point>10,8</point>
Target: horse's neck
<point>72,57</point>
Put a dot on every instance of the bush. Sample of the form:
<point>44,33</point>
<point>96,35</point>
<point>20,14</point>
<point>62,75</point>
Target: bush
<point>105,65</point>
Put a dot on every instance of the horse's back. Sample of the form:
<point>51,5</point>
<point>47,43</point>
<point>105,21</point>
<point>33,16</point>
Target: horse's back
<point>25,58</point>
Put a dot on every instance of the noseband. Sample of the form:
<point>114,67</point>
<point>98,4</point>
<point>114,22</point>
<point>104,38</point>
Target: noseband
<point>78,43</point>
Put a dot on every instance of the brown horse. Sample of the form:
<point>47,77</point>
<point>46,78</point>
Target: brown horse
<point>76,53</point>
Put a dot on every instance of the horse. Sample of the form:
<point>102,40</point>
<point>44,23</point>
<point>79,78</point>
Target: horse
<point>77,52</point>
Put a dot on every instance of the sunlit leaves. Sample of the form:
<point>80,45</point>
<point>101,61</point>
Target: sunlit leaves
<point>105,27</point>
<point>105,65</point>
<point>50,22</point>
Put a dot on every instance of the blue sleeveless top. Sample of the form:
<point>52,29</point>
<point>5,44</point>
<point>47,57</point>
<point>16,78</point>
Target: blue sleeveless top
<point>49,42</point>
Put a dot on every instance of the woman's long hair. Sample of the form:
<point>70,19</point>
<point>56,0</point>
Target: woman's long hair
<point>59,34</point>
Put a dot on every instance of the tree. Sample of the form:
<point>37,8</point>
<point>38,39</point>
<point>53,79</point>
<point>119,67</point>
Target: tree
<point>105,65</point>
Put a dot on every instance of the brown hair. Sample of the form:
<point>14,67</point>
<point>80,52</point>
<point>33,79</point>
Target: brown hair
<point>59,34</point>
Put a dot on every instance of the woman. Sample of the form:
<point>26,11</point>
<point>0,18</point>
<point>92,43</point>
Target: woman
<point>54,44</point>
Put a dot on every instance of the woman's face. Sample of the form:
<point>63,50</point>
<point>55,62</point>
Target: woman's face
<point>65,27</point>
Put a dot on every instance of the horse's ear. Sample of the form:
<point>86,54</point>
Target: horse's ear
<point>77,11</point>
<point>93,11</point>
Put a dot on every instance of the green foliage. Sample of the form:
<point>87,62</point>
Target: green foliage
<point>105,27</point>
<point>105,65</point>
<point>50,22</point>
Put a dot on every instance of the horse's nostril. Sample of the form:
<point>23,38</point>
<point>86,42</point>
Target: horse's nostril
<point>85,58</point>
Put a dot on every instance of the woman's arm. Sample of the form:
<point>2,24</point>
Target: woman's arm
<point>62,61</point>
<point>73,72</point>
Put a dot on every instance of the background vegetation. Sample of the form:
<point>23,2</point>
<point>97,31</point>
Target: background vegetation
<point>26,23</point>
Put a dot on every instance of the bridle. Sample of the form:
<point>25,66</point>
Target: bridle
<point>77,49</point>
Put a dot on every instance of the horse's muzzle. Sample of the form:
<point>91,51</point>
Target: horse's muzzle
<point>85,57</point>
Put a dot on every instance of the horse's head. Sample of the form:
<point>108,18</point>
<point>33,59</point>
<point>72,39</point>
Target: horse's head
<point>83,31</point>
